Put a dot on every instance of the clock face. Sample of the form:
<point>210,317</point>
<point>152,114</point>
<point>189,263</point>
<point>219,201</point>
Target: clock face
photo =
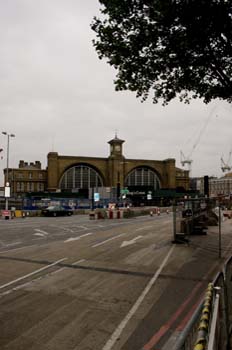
<point>117,148</point>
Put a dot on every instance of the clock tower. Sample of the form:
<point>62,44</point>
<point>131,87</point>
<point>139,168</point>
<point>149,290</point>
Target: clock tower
<point>116,147</point>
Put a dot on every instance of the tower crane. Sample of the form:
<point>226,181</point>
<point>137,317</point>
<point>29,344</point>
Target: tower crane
<point>225,165</point>
<point>187,160</point>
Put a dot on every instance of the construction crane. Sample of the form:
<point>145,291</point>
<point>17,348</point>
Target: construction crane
<point>225,165</point>
<point>187,160</point>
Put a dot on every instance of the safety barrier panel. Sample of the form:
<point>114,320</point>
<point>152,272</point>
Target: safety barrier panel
<point>228,283</point>
<point>210,327</point>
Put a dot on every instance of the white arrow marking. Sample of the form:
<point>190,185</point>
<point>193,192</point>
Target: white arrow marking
<point>132,241</point>
<point>107,240</point>
<point>77,238</point>
<point>40,232</point>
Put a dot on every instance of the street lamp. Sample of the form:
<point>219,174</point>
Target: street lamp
<point>7,163</point>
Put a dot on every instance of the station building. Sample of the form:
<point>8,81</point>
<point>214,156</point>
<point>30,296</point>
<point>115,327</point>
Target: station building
<point>115,173</point>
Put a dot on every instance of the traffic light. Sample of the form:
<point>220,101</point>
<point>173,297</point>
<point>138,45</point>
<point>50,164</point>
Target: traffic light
<point>118,190</point>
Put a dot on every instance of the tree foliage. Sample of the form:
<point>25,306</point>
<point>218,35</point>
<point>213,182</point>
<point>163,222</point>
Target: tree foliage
<point>168,47</point>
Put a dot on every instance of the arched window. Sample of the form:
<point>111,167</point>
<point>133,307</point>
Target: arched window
<point>80,176</point>
<point>142,176</point>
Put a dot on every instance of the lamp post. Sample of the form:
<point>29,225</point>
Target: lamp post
<point>7,163</point>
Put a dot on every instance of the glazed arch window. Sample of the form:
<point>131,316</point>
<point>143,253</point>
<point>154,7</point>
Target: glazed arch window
<point>82,177</point>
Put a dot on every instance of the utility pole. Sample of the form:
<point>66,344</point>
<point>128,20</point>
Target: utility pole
<point>7,185</point>
<point>219,235</point>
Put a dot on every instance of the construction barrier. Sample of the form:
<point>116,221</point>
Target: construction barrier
<point>18,213</point>
<point>210,327</point>
<point>119,214</point>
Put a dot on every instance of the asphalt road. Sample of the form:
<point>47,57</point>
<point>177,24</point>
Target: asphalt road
<point>73,283</point>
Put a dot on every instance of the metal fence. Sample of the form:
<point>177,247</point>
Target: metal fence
<point>210,327</point>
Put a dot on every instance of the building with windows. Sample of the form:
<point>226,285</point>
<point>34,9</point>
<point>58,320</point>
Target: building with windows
<point>28,177</point>
<point>80,175</point>
<point>221,187</point>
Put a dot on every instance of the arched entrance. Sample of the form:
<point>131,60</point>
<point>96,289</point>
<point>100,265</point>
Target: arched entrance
<point>143,177</point>
<point>80,178</point>
<point>141,183</point>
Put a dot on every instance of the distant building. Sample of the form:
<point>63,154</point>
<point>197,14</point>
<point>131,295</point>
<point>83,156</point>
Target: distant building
<point>79,175</point>
<point>28,177</point>
<point>217,186</point>
<point>221,186</point>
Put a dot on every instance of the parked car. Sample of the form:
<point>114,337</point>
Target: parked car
<point>57,210</point>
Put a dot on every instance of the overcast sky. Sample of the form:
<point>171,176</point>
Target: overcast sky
<point>56,95</point>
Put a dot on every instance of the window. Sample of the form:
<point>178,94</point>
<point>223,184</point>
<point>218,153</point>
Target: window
<point>30,175</point>
<point>30,186</point>
<point>80,176</point>
<point>142,177</point>
<point>40,186</point>
<point>18,187</point>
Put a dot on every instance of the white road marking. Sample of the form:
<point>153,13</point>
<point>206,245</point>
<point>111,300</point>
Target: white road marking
<point>63,268</point>
<point>143,228</point>
<point>12,250</point>
<point>108,240</point>
<point>32,273</point>
<point>132,241</point>
<point>11,244</point>
<point>79,261</point>
<point>44,233</point>
<point>110,343</point>
<point>77,238</point>
<point>38,234</point>
<point>67,229</point>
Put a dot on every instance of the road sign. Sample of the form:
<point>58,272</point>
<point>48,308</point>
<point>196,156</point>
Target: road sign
<point>96,197</point>
<point>7,191</point>
<point>124,191</point>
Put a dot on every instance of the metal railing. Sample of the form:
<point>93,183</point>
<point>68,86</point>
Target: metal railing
<point>210,327</point>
